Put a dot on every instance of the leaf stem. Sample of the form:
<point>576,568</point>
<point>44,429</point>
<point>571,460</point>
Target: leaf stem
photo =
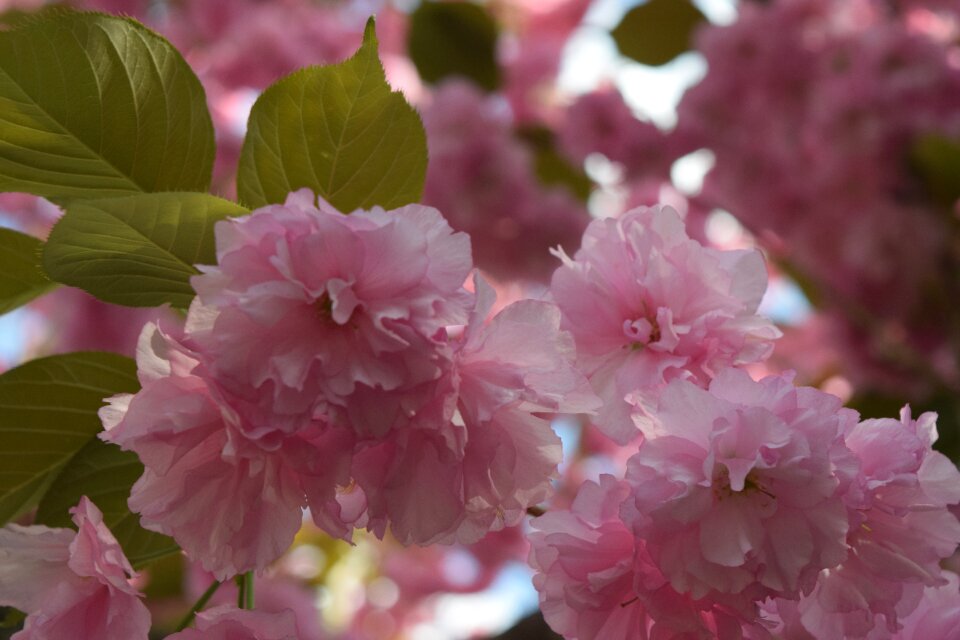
<point>245,590</point>
<point>199,605</point>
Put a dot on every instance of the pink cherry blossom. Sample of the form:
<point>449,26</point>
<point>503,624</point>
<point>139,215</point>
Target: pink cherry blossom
<point>483,178</point>
<point>482,456</point>
<point>71,585</point>
<point>229,504</point>
<point>901,530</point>
<point>308,308</point>
<point>76,321</point>
<point>230,623</point>
<point>584,563</point>
<point>600,122</point>
<point>531,55</point>
<point>646,304</point>
<point>937,615</point>
<point>596,580</point>
<point>813,110</point>
<point>519,363</point>
<point>738,489</point>
<point>246,43</point>
<point>270,404</point>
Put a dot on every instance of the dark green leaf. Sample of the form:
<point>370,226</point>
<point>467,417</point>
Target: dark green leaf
<point>339,131</point>
<point>12,618</point>
<point>454,39</point>
<point>553,169</point>
<point>48,412</point>
<point>21,279</point>
<point>138,250</point>
<point>94,106</point>
<point>105,474</point>
<point>658,31</point>
<point>937,162</point>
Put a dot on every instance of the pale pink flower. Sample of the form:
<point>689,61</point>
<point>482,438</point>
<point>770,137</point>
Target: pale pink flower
<point>316,369</point>
<point>71,584</point>
<point>520,357</point>
<point>482,455</point>
<point>411,481</point>
<point>309,307</point>
<point>596,580</point>
<point>901,530</point>
<point>230,623</point>
<point>646,304</point>
<point>937,615</point>
<point>739,489</point>
<point>230,504</point>
<point>584,562</point>
<point>519,363</point>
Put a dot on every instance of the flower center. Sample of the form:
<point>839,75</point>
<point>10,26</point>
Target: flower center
<point>751,484</point>
<point>641,332</point>
<point>323,306</point>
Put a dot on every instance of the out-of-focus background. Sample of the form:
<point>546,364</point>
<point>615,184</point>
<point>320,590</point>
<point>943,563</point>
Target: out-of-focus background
<point>826,132</point>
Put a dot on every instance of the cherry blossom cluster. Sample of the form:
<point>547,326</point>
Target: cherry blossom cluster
<point>749,508</point>
<point>814,110</point>
<point>336,362</point>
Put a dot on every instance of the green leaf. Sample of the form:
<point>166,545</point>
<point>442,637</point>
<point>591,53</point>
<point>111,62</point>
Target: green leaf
<point>936,160</point>
<point>12,618</point>
<point>21,279</point>
<point>553,169</point>
<point>48,412</point>
<point>15,17</point>
<point>339,131</point>
<point>105,474</point>
<point>454,39</point>
<point>658,31</point>
<point>94,106</point>
<point>138,250</point>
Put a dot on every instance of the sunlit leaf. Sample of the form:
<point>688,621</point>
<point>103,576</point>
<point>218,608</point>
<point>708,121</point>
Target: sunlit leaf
<point>95,106</point>
<point>338,130</point>
<point>138,250</point>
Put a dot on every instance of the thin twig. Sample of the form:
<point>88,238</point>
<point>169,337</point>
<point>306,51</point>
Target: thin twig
<point>199,605</point>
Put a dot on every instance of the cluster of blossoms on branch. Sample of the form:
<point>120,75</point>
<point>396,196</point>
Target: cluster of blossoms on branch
<point>815,112</point>
<point>352,368</point>
<point>336,362</point>
<point>750,508</point>
<point>319,367</point>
